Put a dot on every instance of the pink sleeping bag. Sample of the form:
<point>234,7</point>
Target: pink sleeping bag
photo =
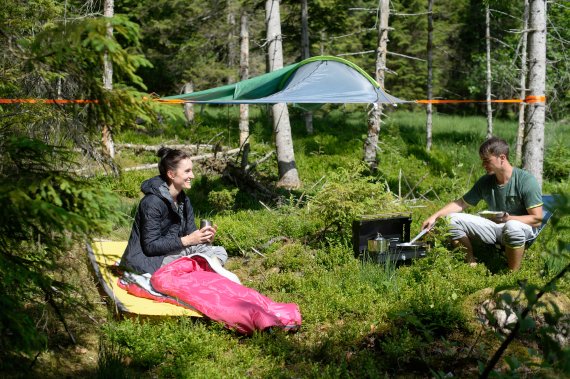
<point>191,280</point>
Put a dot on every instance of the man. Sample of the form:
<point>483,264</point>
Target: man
<point>505,188</point>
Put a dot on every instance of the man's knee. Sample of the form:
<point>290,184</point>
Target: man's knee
<point>457,228</point>
<point>513,234</point>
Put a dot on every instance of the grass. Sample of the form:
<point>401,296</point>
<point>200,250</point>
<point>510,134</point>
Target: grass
<point>359,319</point>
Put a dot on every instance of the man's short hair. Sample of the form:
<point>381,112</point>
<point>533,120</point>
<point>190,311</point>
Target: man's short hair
<point>494,146</point>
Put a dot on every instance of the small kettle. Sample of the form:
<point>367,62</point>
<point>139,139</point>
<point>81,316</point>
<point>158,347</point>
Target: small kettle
<point>378,244</point>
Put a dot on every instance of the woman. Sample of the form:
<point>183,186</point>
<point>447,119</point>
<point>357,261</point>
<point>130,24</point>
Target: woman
<point>164,228</point>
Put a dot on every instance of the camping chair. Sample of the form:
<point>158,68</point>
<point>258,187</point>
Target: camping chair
<point>547,211</point>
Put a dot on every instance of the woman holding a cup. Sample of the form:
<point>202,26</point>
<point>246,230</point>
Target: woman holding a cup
<point>164,228</point>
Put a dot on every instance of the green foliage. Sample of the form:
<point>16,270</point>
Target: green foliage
<point>431,292</point>
<point>246,229</point>
<point>557,162</point>
<point>345,197</point>
<point>109,362</point>
<point>86,42</point>
<point>128,184</point>
<point>43,210</point>
<point>223,200</point>
<point>293,257</point>
<point>200,350</point>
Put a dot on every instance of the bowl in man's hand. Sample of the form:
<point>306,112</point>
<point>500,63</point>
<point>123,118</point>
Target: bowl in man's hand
<point>491,215</point>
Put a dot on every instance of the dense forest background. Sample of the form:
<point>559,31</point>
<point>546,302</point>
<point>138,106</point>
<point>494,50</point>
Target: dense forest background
<point>199,41</point>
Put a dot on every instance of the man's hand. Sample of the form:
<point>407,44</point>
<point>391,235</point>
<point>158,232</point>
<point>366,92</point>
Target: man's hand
<point>428,224</point>
<point>453,207</point>
<point>502,219</point>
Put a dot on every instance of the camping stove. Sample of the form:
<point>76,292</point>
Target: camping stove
<point>396,229</point>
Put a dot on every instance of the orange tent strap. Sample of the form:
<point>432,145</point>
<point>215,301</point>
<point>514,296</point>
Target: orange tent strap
<point>171,101</point>
<point>528,99</point>
<point>466,101</point>
<point>535,99</point>
<point>47,101</point>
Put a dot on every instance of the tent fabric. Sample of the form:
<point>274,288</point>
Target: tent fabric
<point>316,80</point>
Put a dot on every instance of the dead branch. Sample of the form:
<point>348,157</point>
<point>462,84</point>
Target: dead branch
<point>250,167</point>
<point>238,246</point>
<point>194,158</point>
<point>247,182</point>
<point>265,206</point>
<point>155,148</point>
<point>257,252</point>
<point>142,167</point>
<point>415,186</point>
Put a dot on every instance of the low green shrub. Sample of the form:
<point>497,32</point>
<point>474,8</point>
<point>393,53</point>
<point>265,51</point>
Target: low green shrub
<point>290,258</point>
<point>128,184</point>
<point>224,200</point>
<point>346,196</point>
<point>557,162</point>
<point>330,256</point>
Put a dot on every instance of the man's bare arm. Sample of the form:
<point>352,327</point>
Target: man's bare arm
<point>453,207</point>
<point>533,218</point>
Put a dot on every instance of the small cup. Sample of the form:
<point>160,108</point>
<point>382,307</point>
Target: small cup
<point>204,223</point>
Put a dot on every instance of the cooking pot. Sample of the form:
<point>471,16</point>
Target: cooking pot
<point>378,244</point>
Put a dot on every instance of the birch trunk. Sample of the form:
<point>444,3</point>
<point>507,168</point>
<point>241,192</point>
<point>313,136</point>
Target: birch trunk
<point>488,44</point>
<point>523,73</point>
<point>288,174</point>
<point>305,53</point>
<point>243,75</point>
<point>107,133</point>
<point>189,107</point>
<point>374,118</point>
<point>429,109</point>
<point>533,143</point>
<point>231,41</point>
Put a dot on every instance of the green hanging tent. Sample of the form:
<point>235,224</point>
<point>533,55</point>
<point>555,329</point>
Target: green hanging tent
<point>317,80</point>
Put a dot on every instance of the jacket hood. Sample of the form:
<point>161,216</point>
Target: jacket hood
<point>156,186</point>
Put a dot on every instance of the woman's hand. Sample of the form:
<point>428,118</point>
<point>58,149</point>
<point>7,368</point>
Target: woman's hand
<point>200,236</point>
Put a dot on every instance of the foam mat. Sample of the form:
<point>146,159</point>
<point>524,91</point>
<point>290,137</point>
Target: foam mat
<point>103,256</point>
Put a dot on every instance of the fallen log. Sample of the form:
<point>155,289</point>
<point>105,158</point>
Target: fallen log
<point>219,154</point>
<point>155,148</point>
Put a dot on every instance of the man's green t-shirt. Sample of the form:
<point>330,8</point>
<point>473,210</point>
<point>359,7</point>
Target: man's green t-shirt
<point>522,192</point>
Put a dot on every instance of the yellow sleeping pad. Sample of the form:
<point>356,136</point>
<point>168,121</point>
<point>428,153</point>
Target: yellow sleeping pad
<point>103,256</point>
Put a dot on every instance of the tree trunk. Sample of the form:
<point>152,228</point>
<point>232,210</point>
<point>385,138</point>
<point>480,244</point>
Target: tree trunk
<point>533,144</point>
<point>243,75</point>
<point>107,133</point>
<point>374,119</point>
<point>488,44</point>
<point>429,75</point>
<point>305,53</point>
<point>288,175</point>
<point>523,73</point>
<point>189,107</point>
<point>231,41</point>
